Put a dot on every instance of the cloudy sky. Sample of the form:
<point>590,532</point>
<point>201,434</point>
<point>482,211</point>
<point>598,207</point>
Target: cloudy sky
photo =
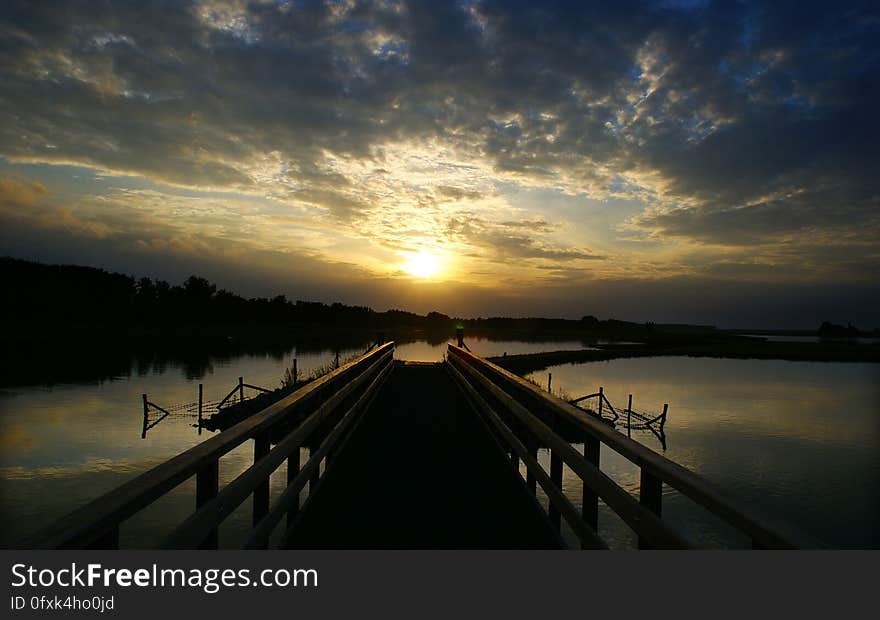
<point>680,160</point>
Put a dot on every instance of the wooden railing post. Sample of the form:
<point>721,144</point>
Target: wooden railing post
<point>241,389</point>
<point>531,482</point>
<point>589,498</point>
<point>261,493</point>
<point>650,496</point>
<point>601,399</point>
<point>550,382</point>
<point>207,485</point>
<point>292,471</point>
<point>316,473</point>
<point>556,477</point>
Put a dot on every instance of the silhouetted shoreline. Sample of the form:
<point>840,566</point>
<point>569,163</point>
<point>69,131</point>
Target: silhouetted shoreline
<point>80,324</point>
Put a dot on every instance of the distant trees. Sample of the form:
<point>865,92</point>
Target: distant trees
<point>590,321</point>
<point>830,330</point>
<point>89,295</point>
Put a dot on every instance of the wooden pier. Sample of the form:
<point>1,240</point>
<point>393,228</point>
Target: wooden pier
<point>417,455</point>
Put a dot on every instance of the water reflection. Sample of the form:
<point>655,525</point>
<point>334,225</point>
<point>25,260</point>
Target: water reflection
<point>798,439</point>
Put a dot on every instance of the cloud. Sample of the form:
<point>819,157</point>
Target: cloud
<point>508,240</point>
<point>399,125</point>
<point>20,192</point>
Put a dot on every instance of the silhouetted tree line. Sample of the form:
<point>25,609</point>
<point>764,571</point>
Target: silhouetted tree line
<point>89,295</point>
<point>832,330</point>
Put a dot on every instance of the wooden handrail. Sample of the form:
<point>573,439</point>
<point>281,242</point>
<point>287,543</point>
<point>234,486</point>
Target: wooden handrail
<point>764,530</point>
<point>588,538</point>
<point>259,536</point>
<point>639,518</point>
<point>191,532</point>
<point>99,519</point>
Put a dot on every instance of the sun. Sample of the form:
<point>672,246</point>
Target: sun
<point>422,265</point>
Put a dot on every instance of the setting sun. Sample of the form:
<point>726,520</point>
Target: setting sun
<point>422,265</point>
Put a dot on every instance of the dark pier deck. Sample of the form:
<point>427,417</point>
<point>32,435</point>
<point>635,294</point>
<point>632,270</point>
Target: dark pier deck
<point>422,471</point>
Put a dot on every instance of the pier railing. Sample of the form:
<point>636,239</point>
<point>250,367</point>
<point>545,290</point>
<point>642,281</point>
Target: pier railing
<point>525,418</point>
<point>320,416</point>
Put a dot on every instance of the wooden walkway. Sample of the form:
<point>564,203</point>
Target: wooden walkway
<point>405,455</point>
<point>422,471</point>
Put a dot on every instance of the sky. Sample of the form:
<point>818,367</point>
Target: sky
<point>672,161</point>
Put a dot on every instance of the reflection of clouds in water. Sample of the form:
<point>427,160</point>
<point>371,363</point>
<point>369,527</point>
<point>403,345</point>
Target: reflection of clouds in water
<point>17,437</point>
<point>798,439</point>
<point>812,401</point>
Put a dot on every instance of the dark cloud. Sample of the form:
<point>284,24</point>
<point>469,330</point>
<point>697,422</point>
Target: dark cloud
<point>739,123</point>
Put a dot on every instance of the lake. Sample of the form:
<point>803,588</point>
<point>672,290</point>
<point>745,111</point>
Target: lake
<point>799,439</point>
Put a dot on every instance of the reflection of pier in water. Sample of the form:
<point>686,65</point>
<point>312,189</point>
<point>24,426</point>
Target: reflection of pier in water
<point>455,443</point>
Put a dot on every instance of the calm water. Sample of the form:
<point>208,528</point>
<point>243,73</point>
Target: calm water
<point>800,439</point>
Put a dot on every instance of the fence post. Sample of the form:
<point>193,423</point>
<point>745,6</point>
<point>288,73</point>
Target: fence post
<point>295,373</point>
<point>207,485</point>
<point>146,417</point>
<point>601,398</point>
<point>629,410</point>
<point>663,419</point>
<point>650,496</point>
<point>241,389</point>
<point>550,382</point>
<point>201,399</point>
<point>556,477</point>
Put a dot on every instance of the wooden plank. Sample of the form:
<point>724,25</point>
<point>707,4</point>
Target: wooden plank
<point>556,478</point>
<point>588,538</point>
<point>633,514</point>
<point>766,529</point>
<point>188,534</point>
<point>83,525</point>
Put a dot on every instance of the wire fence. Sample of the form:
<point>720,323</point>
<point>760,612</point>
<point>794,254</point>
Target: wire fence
<point>199,409</point>
<point>622,417</point>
